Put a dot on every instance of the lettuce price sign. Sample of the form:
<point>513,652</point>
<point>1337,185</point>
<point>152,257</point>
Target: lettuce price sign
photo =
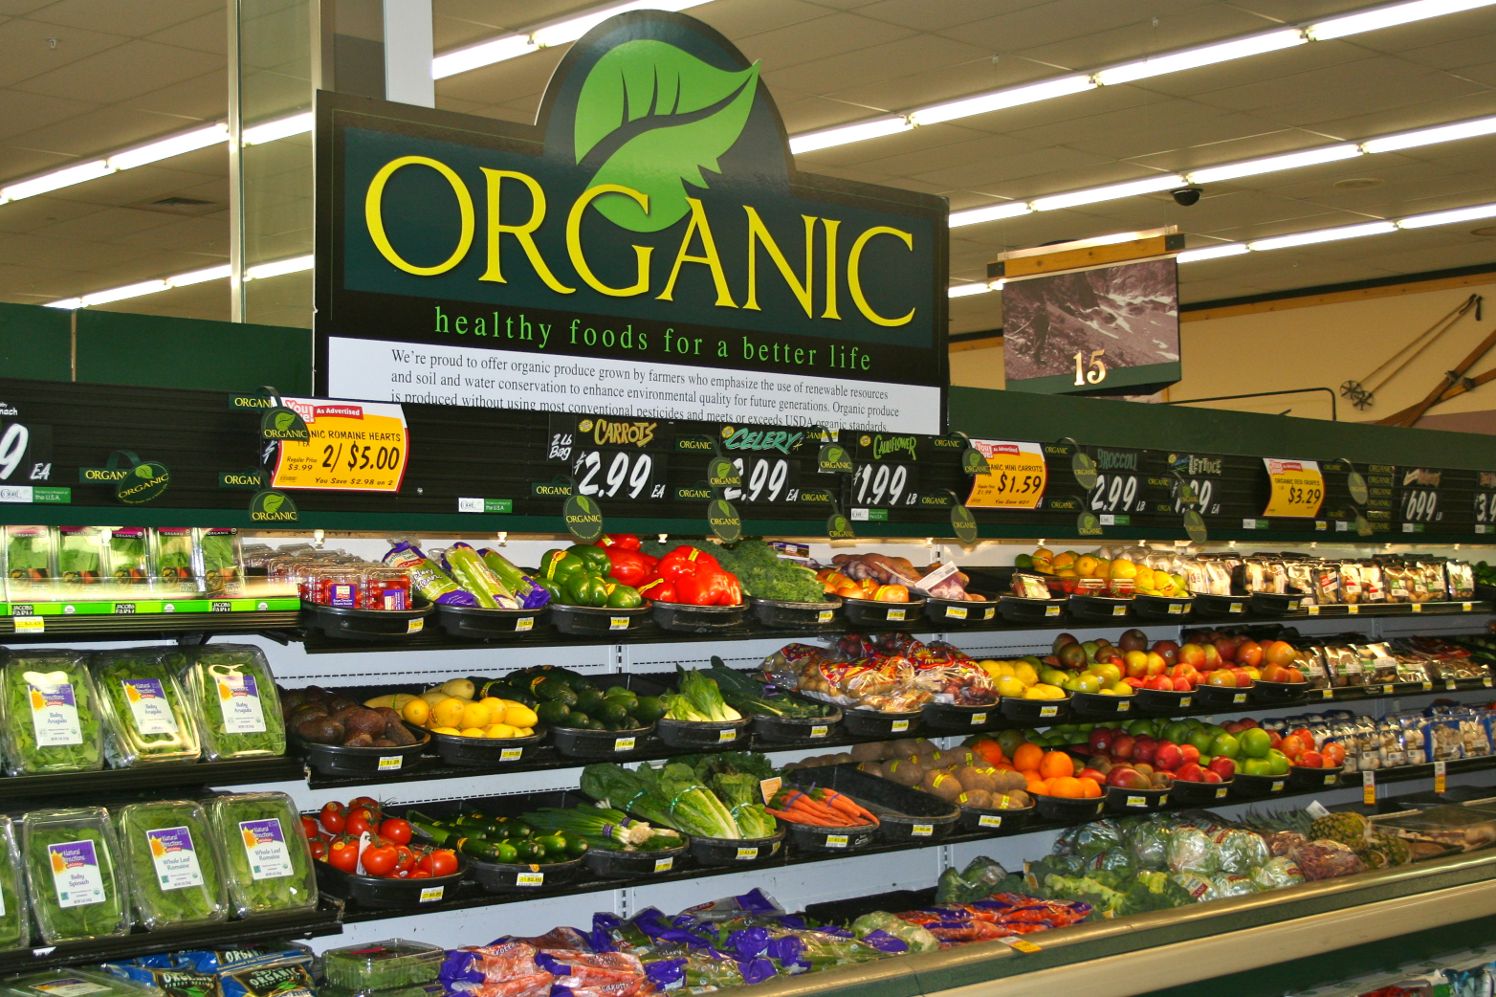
<point>647,249</point>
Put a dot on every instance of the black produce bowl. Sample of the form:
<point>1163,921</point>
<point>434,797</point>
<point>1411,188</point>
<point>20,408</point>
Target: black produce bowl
<point>634,865</point>
<point>1273,604</point>
<point>504,877</point>
<point>1193,794</point>
<point>950,718</point>
<point>883,615</point>
<point>337,759</point>
<point>595,621</point>
<point>1100,608</point>
<point>682,618</point>
<point>1219,607</point>
<point>1162,607</point>
<point>1304,777</point>
<point>782,729</point>
<point>478,623</point>
<point>995,821</point>
<point>1135,801</point>
<point>1277,693</point>
<point>1164,700</point>
<point>376,891</point>
<point>811,838</point>
<point>960,612</point>
<point>876,723</point>
<point>904,814</point>
<point>703,733</point>
<point>736,851</point>
<point>574,742</point>
<point>365,624</point>
<point>484,752</point>
<point>795,615</point>
<point>1035,711</point>
<point>1095,706</point>
<point>1074,811</point>
<point>1014,609</point>
<point>1221,697</point>
<point>1245,786</point>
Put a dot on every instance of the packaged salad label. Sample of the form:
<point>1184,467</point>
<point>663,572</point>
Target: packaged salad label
<point>149,706</point>
<point>174,857</point>
<point>75,874</point>
<point>265,845</point>
<point>54,712</point>
<point>239,699</point>
<point>70,988</point>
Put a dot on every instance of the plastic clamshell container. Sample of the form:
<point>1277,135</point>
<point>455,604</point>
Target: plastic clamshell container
<point>82,562</point>
<point>383,892</point>
<point>30,559</point>
<point>383,965</point>
<point>78,892</point>
<point>172,550</point>
<point>15,919</point>
<point>238,707</point>
<point>52,717</point>
<point>147,716</point>
<point>219,558</point>
<point>171,857</point>
<point>267,863</point>
<point>74,981</point>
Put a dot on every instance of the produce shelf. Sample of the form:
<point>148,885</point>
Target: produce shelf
<point>148,778</point>
<point>325,920</point>
<point>113,619</point>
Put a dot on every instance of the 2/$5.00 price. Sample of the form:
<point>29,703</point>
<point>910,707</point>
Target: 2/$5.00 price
<point>360,457</point>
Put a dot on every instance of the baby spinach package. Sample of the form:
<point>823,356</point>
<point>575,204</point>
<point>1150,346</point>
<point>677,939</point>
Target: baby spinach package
<point>15,925</point>
<point>129,559</point>
<point>171,858</point>
<point>74,981</point>
<point>267,862</point>
<point>30,562</point>
<point>52,718</point>
<point>234,696</point>
<point>77,891</point>
<point>147,717</point>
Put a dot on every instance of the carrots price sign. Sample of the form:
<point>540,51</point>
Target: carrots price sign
<point>1014,479</point>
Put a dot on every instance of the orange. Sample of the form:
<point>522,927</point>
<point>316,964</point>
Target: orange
<point>1090,788</point>
<point>1027,757</point>
<point>1038,787</point>
<point>990,751</point>
<point>1066,787</point>
<point>1056,763</point>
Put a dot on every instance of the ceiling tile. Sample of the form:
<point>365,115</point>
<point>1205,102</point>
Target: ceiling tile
<point>738,21</point>
<point>22,112</point>
<point>122,71</point>
<point>136,18</point>
<point>203,98</point>
<point>98,132</point>
<point>810,41</point>
<point>1187,26</point>
<point>844,72</point>
<point>29,52</point>
<point>207,33</point>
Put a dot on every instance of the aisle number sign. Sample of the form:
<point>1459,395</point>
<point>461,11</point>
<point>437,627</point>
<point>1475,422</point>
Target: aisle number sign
<point>352,447</point>
<point>1014,479</point>
<point>1298,489</point>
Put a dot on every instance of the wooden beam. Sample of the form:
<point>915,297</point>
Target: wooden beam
<point>1033,264</point>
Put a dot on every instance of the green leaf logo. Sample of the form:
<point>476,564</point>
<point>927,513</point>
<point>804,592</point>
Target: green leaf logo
<point>284,421</point>
<point>271,502</point>
<point>144,471</point>
<point>656,116</point>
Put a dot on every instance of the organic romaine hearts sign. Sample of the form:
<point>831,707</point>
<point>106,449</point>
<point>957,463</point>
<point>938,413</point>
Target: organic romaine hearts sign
<point>647,249</point>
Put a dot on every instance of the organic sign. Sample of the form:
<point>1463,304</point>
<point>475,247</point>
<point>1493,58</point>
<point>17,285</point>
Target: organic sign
<point>646,250</point>
<point>1015,476</point>
<point>1298,488</point>
<point>349,446</point>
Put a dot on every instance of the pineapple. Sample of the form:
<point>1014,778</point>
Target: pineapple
<point>1398,852</point>
<point>1350,829</point>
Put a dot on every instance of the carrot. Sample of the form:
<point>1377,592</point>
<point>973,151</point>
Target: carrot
<point>798,817</point>
<point>845,804</point>
<point>793,798</point>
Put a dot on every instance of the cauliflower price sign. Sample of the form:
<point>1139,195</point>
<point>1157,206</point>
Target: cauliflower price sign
<point>1015,477</point>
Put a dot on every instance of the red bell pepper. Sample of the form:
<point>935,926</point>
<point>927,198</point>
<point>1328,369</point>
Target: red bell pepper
<point>631,567</point>
<point>709,587</point>
<point>622,541</point>
<point>684,561</point>
<point>659,590</point>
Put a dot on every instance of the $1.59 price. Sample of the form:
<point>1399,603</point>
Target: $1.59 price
<point>1014,479</point>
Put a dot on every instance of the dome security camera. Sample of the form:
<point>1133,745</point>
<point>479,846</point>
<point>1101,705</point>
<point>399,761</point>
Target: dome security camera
<point>1187,196</point>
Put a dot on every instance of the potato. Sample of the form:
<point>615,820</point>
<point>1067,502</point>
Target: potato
<point>1016,800</point>
<point>943,785</point>
<point>869,752</point>
<point>972,778</point>
<point>979,798</point>
<point>903,772</point>
<point>871,768</point>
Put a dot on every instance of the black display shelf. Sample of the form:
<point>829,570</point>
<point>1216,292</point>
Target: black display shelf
<point>146,626</point>
<point>325,920</point>
<point>122,783</point>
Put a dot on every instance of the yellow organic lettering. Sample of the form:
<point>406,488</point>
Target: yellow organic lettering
<point>524,233</point>
<point>374,215</point>
<point>854,274</point>
<point>758,235</point>
<point>574,242</point>
<point>710,258</point>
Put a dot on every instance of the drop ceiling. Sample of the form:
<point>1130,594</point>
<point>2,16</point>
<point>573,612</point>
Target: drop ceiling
<point>83,77</point>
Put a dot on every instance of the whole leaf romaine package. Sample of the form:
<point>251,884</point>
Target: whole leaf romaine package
<point>52,718</point>
<point>234,696</point>
<point>15,926</point>
<point>267,863</point>
<point>77,889</point>
<point>221,558</point>
<point>129,559</point>
<point>30,562</point>
<point>147,717</point>
<point>82,561</point>
<point>74,981</point>
<point>171,556</point>
<point>171,858</point>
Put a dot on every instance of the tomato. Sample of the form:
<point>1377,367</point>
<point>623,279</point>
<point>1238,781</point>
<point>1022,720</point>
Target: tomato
<point>417,874</point>
<point>423,864</point>
<point>334,818</point>
<point>379,861</point>
<point>318,848</point>
<point>343,856</point>
<point>443,862</point>
<point>395,830</point>
<point>406,857</point>
<point>360,820</point>
<point>309,827</point>
<point>364,801</point>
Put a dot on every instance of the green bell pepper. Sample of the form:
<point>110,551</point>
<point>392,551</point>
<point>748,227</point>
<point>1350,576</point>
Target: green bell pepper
<point>586,590</point>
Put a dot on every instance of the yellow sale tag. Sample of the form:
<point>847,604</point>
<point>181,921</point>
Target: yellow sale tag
<point>727,736</point>
<point>1049,711</point>
<point>1354,609</point>
<point>1015,477</point>
<point>623,744</point>
<point>511,754</point>
<point>1313,609</point>
<point>922,830</point>
<point>431,894</point>
<point>977,719</point>
<point>1119,610</point>
<point>990,820</point>
<point>530,879</point>
<point>524,624</point>
<point>1327,694</point>
<point>820,730</point>
<point>1236,608</point>
<point>1298,488</point>
<point>1417,607</point>
<point>898,726</point>
<point>747,853</point>
<point>665,864</point>
<point>1020,944</point>
<point>30,624</point>
<point>415,626</point>
<point>1369,788</point>
<point>1441,777</point>
<point>1123,706</point>
<point>837,840</point>
<point>352,447</point>
<point>391,763</point>
<point>897,615</point>
<point>955,612</point>
<point>825,615</point>
<point>1051,611</point>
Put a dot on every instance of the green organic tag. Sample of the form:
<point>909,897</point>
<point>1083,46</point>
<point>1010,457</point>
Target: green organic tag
<point>724,520</point>
<point>584,518</point>
<point>270,506</point>
<point>964,523</point>
<point>146,482</point>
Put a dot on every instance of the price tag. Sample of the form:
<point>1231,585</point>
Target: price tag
<point>1369,788</point>
<point>30,624</point>
<point>837,840</point>
<point>1485,502</point>
<point>391,763</point>
<point>618,623</point>
<point>1220,792</point>
<point>1466,607</point>
<point>351,447</point>
<point>1298,488</point>
<point>607,458</point>
<point>990,821</point>
<point>977,719</point>
<point>1049,711</point>
<point>431,894</point>
<point>1236,608</point>
<point>1417,607</point>
<point>768,787</point>
<point>511,754</point>
<point>898,726</point>
<point>1427,685</point>
<point>955,612</point>
<point>1387,689</point>
<point>1327,694</point>
<point>665,864</point>
<point>623,744</point>
<point>746,853</point>
<point>1441,777</point>
<point>1313,609</point>
<point>1354,609</point>
<point>1020,944</point>
<point>1485,680</point>
<point>1238,698</point>
<point>1015,477</point>
<point>529,879</point>
<point>897,615</point>
<point>825,615</point>
<point>819,730</point>
<point>1119,610</point>
<point>1185,701</point>
<point>1123,706</point>
<point>415,626</point>
<point>1136,801</point>
<point>524,624</point>
<point>727,735</point>
<point>1276,787</point>
<point>1051,611</point>
<point>921,830</point>
<point>1316,809</point>
<point>1450,685</point>
<point>1176,609</point>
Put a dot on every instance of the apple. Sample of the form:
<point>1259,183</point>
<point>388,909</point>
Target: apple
<point>1257,766</point>
<point>1223,677</point>
<point>1190,772</point>
<point>1127,777</point>
<point>1214,777</point>
<point>1162,682</point>
<point>1133,640</point>
<point>1248,722</point>
<point>1122,746</point>
<point>1223,766</point>
<point>1278,652</point>
<point>1232,726</point>
<point>1093,773</point>
<point>1156,664</point>
<point>1168,756</point>
<point>1249,653</point>
<point>1189,754</point>
<point>1255,742</point>
<point>1244,677</point>
<point>1137,663</point>
<point>1132,681</point>
<point>1168,650</point>
<point>1191,654</point>
<point>1226,648</point>
<point>1278,763</point>
<point>1225,744</point>
<point>1100,740</point>
<point>1201,740</point>
<point>1143,749</point>
<point>1312,759</point>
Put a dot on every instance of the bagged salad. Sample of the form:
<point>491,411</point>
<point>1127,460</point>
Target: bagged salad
<point>171,857</point>
<point>15,926</point>
<point>222,560</point>
<point>82,560</point>
<point>129,558</point>
<point>234,697</point>
<point>147,717</point>
<point>268,865</point>
<point>51,710</point>
<point>30,562</point>
<point>171,556</point>
<point>77,890</point>
<point>74,981</point>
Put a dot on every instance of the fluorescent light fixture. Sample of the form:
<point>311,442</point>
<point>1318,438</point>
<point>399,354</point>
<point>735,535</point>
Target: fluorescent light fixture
<point>276,268</point>
<point>220,272</point>
<point>487,53</point>
<point>1321,235</point>
<point>172,145</point>
<point>1449,217</point>
<point>279,128</point>
<point>1429,136</point>
<point>56,180</point>
<point>66,303</point>
<point>570,30</point>
<point>991,213</point>
<point>861,131</point>
<point>1389,16</point>
<point>1212,252</point>
<point>121,293</point>
<point>1111,192</point>
<point>1205,55</point>
<point>997,100</point>
<point>1272,164</point>
<point>967,290</point>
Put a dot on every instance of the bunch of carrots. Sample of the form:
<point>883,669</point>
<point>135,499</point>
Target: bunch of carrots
<point>820,808</point>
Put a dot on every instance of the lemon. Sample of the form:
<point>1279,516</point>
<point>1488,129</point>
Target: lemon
<point>417,712</point>
<point>453,731</point>
<point>473,732</point>
<point>1009,686</point>
<point>475,715</point>
<point>1025,673</point>
<point>520,715</point>
<point>500,731</point>
<point>449,713</point>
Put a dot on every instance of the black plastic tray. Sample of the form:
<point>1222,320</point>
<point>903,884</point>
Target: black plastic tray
<point>477,623</point>
<point>1246,787</point>
<point>1032,711</point>
<point>375,891</point>
<point>876,723</point>
<point>1095,706</point>
<point>634,865</point>
<point>503,877</point>
<point>1100,608</point>
<point>795,615</point>
<point>680,617</point>
<point>597,621</point>
<point>1135,801</point>
<point>736,851</point>
<point>1304,777</point>
<point>960,612</point>
<point>1072,811</point>
<point>1015,609</point>
<point>953,719</point>
<point>476,752</point>
<point>1162,607</point>
<point>575,742</point>
<point>1221,697</point>
<point>365,624</point>
<point>1273,604</point>
<point>810,838</point>
<point>995,821</point>
<point>904,814</point>
<point>798,728</point>
<point>1200,793</point>
<point>884,615</point>
<point>337,759</point>
<point>1164,700</point>
<point>1219,607</point>
<point>702,733</point>
<point>1278,693</point>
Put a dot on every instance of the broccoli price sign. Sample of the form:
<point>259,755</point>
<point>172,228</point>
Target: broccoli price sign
<point>350,447</point>
<point>1298,488</point>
